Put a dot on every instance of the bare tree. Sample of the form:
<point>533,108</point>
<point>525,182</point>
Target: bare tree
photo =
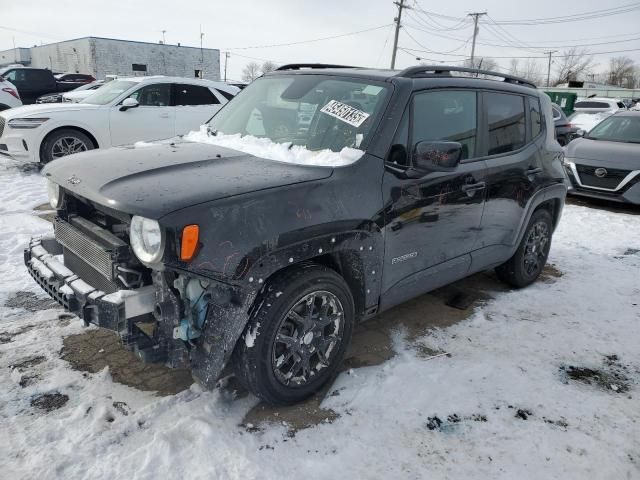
<point>572,64</point>
<point>622,72</point>
<point>268,66</point>
<point>530,70</point>
<point>481,63</point>
<point>250,72</point>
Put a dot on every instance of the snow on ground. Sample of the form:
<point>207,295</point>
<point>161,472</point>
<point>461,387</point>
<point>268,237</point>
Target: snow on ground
<point>501,406</point>
<point>282,152</point>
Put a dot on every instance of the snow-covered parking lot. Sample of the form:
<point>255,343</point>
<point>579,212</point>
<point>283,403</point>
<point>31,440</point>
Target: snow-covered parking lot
<point>540,383</point>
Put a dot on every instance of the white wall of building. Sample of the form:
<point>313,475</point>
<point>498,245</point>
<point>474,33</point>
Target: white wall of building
<point>72,56</point>
<point>103,56</point>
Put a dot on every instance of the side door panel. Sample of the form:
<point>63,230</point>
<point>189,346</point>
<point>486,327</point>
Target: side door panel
<point>153,119</point>
<point>432,222</point>
<point>513,167</point>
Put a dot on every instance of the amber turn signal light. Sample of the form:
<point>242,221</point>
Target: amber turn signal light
<point>189,245</point>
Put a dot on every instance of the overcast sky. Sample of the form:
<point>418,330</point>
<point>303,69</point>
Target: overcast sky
<point>230,25</point>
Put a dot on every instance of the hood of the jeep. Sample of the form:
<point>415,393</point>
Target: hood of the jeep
<point>155,180</point>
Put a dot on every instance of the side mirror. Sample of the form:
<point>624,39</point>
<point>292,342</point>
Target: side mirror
<point>129,103</point>
<point>437,156</point>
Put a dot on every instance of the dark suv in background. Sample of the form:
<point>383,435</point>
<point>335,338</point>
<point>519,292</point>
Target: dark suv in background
<point>32,83</point>
<point>399,182</point>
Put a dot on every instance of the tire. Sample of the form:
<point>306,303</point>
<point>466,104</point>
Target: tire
<point>269,358</point>
<point>531,256</point>
<point>62,143</point>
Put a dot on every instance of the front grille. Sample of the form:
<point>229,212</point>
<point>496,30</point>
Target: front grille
<point>611,180</point>
<point>77,242</point>
<point>2,121</point>
<point>88,273</point>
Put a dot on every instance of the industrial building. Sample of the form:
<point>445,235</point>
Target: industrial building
<point>106,56</point>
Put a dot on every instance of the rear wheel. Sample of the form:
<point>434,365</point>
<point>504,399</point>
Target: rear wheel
<point>527,263</point>
<point>297,338</point>
<point>64,142</point>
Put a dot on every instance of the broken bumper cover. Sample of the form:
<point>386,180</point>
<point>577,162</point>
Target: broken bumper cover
<point>113,311</point>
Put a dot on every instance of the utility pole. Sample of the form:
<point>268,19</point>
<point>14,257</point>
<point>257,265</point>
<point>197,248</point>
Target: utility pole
<point>401,5</point>
<point>201,51</point>
<point>476,16</point>
<point>226,58</point>
<point>550,52</point>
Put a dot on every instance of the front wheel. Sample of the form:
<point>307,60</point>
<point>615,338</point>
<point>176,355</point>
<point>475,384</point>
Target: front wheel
<point>61,143</point>
<point>527,263</point>
<point>297,338</point>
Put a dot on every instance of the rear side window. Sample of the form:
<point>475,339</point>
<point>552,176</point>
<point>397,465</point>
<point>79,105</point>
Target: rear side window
<point>536,117</point>
<point>446,115</point>
<point>38,76</point>
<point>591,105</point>
<point>507,127</point>
<point>226,95</point>
<point>193,95</point>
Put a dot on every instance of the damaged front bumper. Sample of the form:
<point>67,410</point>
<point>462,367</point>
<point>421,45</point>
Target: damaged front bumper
<point>117,311</point>
<point>157,322</point>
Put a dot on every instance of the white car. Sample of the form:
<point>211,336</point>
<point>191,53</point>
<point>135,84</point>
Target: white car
<point>80,93</point>
<point>9,96</point>
<point>122,112</point>
<point>598,104</point>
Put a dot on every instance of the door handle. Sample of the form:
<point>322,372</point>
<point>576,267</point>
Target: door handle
<point>164,115</point>
<point>472,187</point>
<point>534,171</point>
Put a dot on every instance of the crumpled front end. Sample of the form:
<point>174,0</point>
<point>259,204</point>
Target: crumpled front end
<point>175,317</point>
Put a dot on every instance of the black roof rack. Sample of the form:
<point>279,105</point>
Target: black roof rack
<point>300,66</point>
<point>426,71</point>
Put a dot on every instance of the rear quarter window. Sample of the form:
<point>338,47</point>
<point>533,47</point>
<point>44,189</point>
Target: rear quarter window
<point>506,119</point>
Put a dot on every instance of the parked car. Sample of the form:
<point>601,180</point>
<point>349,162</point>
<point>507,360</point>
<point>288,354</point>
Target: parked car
<point>122,112</point>
<point>74,95</point>
<point>270,258</point>
<point>80,93</point>
<point>33,83</point>
<point>565,131</point>
<point>605,163</point>
<point>74,79</point>
<point>9,96</point>
<point>598,104</point>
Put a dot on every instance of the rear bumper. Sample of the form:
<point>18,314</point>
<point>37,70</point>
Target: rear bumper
<point>113,311</point>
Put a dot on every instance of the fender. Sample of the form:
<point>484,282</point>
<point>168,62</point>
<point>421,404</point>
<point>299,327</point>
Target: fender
<point>356,254</point>
<point>553,192</point>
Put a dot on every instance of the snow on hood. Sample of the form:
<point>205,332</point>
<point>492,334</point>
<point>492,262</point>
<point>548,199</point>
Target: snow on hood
<point>282,152</point>
<point>587,121</point>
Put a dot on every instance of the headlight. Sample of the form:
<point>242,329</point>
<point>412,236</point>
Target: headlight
<point>26,122</point>
<point>55,194</point>
<point>147,240</point>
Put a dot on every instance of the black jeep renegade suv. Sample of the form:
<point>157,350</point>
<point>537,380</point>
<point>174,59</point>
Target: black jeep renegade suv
<point>199,254</point>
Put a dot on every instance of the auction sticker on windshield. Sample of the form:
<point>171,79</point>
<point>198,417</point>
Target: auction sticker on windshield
<point>344,112</point>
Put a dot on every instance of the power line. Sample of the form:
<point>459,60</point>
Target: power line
<point>574,17</point>
<point>524,46</point>
<point>555,56</point>
<point>309,41</point>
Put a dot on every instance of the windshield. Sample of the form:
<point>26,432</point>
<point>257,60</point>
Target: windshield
<point>317,112</point>
<point>617,129</point>
<point>109,92</point>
